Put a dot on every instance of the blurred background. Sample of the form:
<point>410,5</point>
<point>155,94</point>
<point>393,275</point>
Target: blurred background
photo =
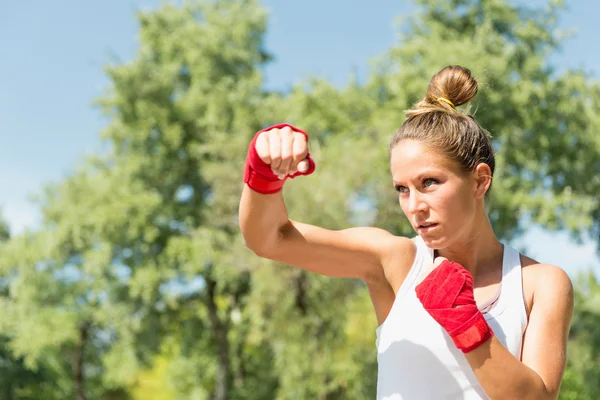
<point>123,132</point>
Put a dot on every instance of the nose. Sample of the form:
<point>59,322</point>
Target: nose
<point>416,203</point>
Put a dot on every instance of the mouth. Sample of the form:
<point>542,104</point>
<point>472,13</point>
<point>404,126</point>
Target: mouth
<point>426,227</point>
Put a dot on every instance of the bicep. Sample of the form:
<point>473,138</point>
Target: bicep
<point>545,340</point>
<point>349,253</point>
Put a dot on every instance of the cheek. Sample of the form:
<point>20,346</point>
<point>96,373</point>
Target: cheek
<point>464,204</point>
<point>403,205</point>
<point>455,203</point>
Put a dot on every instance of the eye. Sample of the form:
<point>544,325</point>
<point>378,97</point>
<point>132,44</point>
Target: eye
<point>429,181</point>
<point>401,189</point>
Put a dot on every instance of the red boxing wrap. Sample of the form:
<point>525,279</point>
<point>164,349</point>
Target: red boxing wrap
<point>447,295</point>
<point>257,173</point>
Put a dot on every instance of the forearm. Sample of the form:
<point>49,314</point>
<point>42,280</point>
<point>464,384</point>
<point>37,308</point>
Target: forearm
<point>503,376</point>
<point>261,218</point>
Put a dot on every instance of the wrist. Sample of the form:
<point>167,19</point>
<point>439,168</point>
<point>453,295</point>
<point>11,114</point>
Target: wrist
<point>258,174</point>
<point>472,334</point>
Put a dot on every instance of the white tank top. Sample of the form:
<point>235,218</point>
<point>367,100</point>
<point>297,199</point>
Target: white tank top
<point>417,359</point>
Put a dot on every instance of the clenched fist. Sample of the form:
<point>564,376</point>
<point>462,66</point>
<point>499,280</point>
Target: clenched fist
<point>447,295</point>
<point>275,154</point>
<point>284,149</point>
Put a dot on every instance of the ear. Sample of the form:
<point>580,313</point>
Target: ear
<point>483,179</point>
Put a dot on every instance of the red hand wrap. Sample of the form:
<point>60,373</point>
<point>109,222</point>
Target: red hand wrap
<point>258,174</point>
<point>447,295</point>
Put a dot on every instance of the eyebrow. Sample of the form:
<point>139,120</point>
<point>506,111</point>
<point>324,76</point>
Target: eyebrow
<point>423,174</point>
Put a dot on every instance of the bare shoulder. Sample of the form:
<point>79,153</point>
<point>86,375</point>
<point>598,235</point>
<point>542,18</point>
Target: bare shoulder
<point>546,285</point>
<point>545,276</point>
<point>398,257</point>
<point>396,254</point>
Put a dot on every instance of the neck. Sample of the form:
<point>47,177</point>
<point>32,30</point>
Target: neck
<point>478,250</point>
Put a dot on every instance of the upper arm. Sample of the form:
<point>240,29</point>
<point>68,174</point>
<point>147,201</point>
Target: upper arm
<point>350,253</point>
<point>545,340</point>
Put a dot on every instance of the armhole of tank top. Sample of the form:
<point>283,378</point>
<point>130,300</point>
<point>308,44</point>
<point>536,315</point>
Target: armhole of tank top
<point>508,295</point>
<point>409,281</point>
<point>511,285</point>
<point>523,308</point>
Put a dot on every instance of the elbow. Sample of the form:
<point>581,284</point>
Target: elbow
<point>254,242</point>
<point>545,391</point>
<point>541,392</point>
<point>258,249</point>
<point>261,246</point>
<point>537,392</point>
<point>530,388</point>
<point>550,394</point>
<point>529,395</point>
<point>264,242</point>
<point>544,395</point>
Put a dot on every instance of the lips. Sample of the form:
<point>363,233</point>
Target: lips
<point>426,226</point>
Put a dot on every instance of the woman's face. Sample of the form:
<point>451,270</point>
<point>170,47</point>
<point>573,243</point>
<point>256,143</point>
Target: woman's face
<point>436,195</point>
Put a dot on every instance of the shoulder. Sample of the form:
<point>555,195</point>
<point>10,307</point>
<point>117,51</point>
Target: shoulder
<point>546,286</point>
<point>399,247</point>
<point>545,277</point>
<point>398,257</point>
<point>396,254</point>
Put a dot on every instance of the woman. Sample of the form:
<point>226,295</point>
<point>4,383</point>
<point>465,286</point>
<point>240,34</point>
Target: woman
<point>461,315</point>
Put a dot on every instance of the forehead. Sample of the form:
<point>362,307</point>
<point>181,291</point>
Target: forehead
<point>410,158</point>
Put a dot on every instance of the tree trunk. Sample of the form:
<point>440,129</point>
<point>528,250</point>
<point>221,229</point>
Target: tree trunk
<point>301,300</point>
<point>77,362</point>
<point>219,329</point>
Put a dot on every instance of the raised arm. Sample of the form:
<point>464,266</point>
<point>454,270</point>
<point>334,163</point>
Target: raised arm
<point>268,231</point>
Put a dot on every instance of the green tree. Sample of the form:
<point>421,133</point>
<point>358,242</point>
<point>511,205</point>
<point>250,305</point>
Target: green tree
<point>143,244</point>
<point>59,310</point>
<point>182,113</point>
<point>582,378</point>
<point>17,381</point>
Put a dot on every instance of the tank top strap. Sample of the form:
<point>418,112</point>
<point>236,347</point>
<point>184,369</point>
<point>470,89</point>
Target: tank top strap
<point>512,282</point>
<point>424,257</point>
<point>511,289</point>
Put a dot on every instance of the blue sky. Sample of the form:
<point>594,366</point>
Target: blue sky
<point>51,71</point>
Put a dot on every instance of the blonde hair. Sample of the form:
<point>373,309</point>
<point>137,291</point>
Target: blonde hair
<point>437,122</point>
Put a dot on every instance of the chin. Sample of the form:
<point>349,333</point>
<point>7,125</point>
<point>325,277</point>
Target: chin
<point>435,241</point>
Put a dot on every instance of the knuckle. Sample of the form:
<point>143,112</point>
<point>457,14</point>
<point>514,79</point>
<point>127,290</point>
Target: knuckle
<point>275,147</point>
<point>273,133</point>
<point>299,137</point>
<point>263,154</point>
<point>299,154</point>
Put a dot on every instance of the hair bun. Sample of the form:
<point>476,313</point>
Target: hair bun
<point>454,84</point>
